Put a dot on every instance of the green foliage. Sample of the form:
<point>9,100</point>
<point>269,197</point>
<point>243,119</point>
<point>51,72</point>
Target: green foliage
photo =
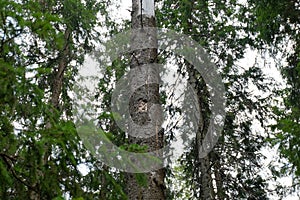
<point>40,150</point>
<point>219,26</point>
<point>277,23</point>
<point>134,148</point>
<point>141,179</point>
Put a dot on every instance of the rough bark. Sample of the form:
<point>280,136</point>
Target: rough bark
<point>146,95</point>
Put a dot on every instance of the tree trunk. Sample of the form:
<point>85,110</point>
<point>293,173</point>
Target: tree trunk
<point>219,177</point>
<point>56,89</point>
<point>147,95</point>
<point>203,165</point>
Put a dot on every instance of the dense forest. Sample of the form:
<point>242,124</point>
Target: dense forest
<point>142,124</point>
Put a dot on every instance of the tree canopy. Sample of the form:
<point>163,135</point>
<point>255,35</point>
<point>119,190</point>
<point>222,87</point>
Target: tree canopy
<point>44,44</point>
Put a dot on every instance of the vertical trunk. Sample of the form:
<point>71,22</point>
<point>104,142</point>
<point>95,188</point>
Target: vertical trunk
<point>203,164</point>
<point>142,17</point>
<point>103,189</point>
<point>206,192</point>
<point>218,177</point>
<point>204,171</point>
<point>59,73</point>
<point>56,89</point>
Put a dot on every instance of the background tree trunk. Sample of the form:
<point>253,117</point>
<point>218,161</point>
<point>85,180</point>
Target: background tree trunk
<point>202,165</point>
